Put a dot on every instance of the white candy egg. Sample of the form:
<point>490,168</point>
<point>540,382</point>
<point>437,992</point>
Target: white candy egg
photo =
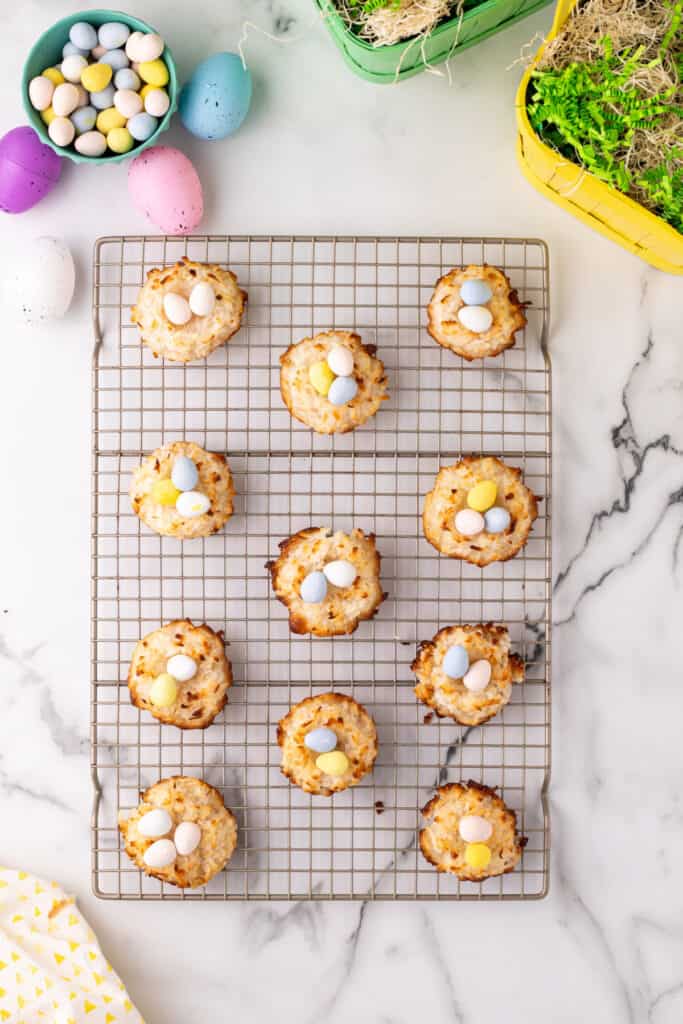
<point>155,823</point>
<point>83,97</point>
<point>182,667</point>
<point>340,360</point>
<point>132,44</point>
<point>475,829</point>
<point>478,676</point>
<point>149,47</point>
<point>72,67</point>
<point>187,837</point>
<point>61,131</point>
<point>475,318</point>
<point>340,573</point>
<point>177,309</point>
<point>157,102</point>
<point>468,522</point>
<point>192,503</point>
<point>40,92</point>
<point>160,854</point>
<point>38,282</point>
<point>127,102</point>
<point>65,99</point>
<point>91,144</point>
<point>202,299</point>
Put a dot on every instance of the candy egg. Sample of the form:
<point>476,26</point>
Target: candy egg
<point>65,99</point>
<point>109,119</point>
<point>40,91</point>
<point>82,97</point>
<point>482,495</point>
<point>98,52</point>
<point>496,519</point>
<point>28,169</point>
<point>149,47</point>
<point>192,503</point>
<point>115,59</point>
<point>475,292</point>
<point>165,186</point>
<point>335,763</point>
<point>475,829</point>
<point>456,661</point>
<point>156,101</point>
<point>215,101</point>
<point>91,143</point>
<point>202,299</point>
<point>340,573</point>
<point>155,823</point>
<point>73,67</point>
<point>154,72</point>
<point>127,102</point>
<point>313,588</point>
<point>160,854</point>
<point>468,522</point>
<point>69,50</point>
<point>478,676</point>
<point>113,34</point>
<point>104,99</point>
<point>96,77</point>
<point>321,376</point>
<point>48,116</point>
<point>342,390</point>
<point>165,492</point>
<point>126,78</point>
<point>55,75</point>
<point>477,856</point>
<point>340,360</point>
<point>184,473</point>
<point>119,140</point>
<point>142,126</point>
<point>84,119</point>
<point>177,308</point>
<point>61,131</point>
<point>321,740</point>
<point>131,45</point>
<point>187,837</point>
<point>83,35</point>
<point>475,318</point>
<point>182,667</point>
<point>163,692</point>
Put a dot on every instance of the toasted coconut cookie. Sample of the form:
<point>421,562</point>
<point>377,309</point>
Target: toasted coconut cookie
<point>198,699</point>
<point>341,607</point>
<point>181,799</point>
<point>201,334</point>
<point>450,496</point>
<point>445,327</point>
<point>442,842</point>
<point>315,408</point>
<point>356,742</point>
<point>461,697</point>
<point>214,482</point>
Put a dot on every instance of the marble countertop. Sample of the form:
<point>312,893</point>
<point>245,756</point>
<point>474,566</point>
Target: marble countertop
<point>325,152</point>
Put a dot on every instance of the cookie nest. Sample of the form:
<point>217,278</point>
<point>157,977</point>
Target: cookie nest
<point>443,323</point>
<point>199,699</point>
<point>215,481</point>
<point>185,799</point>
<point>440,840</point>
<point>356,737</point>
<point>315,410</point>
<point>343,608</point>
<point>449,496</point>
<point>202,334</point>
<point>449,697</point>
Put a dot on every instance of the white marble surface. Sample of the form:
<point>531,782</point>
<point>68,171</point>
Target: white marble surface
<point>323,151</point>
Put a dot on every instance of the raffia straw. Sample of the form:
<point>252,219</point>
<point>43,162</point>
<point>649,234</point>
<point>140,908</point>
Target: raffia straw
<point>404,19</point>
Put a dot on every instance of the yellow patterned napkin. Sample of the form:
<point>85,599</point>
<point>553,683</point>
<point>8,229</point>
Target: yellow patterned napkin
<point>51,966</point>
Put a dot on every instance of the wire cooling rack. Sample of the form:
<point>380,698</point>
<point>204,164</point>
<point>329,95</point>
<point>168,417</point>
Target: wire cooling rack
<point>361,843</point>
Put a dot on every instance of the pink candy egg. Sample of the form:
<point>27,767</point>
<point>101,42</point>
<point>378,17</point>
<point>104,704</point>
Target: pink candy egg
<point>164,186</point>
<point>28,170</point>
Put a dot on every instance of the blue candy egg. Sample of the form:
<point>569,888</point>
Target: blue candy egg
<point>496,520</point>
<point>83,35</point>
<point>104,99</point>
<point>184,474</point>
<point>475,292</point>
<point>314,588</point>
<point>69,50</point>
<point>142,126</point>
<point>215,101</point>
<point>342,390</point>
<point>321,740</point>
<point>456,662</point>
<point>126,78</point>
<point>116,59</point>
<point>113,34</point>
<point>83,119</point>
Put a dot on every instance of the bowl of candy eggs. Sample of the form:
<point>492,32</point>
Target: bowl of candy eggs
<point>99,86</point>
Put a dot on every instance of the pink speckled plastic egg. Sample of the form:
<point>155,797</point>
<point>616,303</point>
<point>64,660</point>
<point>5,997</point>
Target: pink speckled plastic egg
<point>164,186</point>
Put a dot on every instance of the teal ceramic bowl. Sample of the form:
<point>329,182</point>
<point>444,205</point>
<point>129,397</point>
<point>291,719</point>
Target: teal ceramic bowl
<point>48,51</point>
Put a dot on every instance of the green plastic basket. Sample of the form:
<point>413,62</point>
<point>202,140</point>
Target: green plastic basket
<point>380,63</point>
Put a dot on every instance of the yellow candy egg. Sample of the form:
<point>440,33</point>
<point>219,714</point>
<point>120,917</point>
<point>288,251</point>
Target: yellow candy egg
<point>164,691</point>
<point>146,89</point>
<point>119,140</point>
<point>48,115</point>
<point>154,72</point>
<point>96,77</point>
<point>109,119</point>
<point>164,491</point>
<point>54,74</point>
<point>333,763</point>
<point>482,496</point>
<point>320,376</point>
<point>477,856</point>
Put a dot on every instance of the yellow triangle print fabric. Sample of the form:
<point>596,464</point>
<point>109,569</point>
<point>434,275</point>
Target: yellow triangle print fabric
<point>61,973</point>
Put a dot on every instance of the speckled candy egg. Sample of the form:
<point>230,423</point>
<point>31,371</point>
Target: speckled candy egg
<point>164,186</point>
<point>28,170</point>
<point>38,283</point>
<point>215,101</point>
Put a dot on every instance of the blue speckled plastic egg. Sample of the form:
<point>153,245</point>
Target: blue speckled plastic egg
<point>496,519</point>
<point>184,474</point>
<point>215,101</point>
<point>475,292</point>
<point>342,390</point>
<point>313,588</point>
<point>456,661</point>
<point>321,740</point>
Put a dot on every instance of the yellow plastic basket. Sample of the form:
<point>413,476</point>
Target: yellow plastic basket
<point>582,194</point>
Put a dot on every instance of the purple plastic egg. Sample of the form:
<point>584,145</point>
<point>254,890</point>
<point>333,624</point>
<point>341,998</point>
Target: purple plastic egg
<point>28,170</point>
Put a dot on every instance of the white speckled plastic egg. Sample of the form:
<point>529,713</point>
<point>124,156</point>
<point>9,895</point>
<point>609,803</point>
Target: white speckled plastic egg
<point>155,823</point>
<point>182,667</point>
<point>468,522</point>
<point>40,92</point>
<point>340,360</point>
<point>313,588</point>
<point>184,474</point>
<point>90,143</point>
<point>126,78</point>
<point>475,829</point>
<point>202,299</point>
<point>342,390</point>
<point>340,573</point>
<point>160,854</point>
<point>157,102</point>
<point>38,282</point>
<point>65,99</point>
<point>72,67</point>
<point>192,503</point>
<point>61,130</point>
<point>142,126</point>
<point>187,837</point>
<point>113,34</point>
<point>478,676</point>
<point>177,308</point>
<point>477,319</point>
<point>127,102</point>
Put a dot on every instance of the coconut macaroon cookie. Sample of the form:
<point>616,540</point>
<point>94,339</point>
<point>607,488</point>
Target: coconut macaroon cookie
<point>180,674</point>
<point>466,672</point>
<point>328,742</point>
<point>328,581</point>
<point>332,382</point>
<point>186,311</point>
<point>470,832</point>
<point>475,312</point>
<point>479,510</point>
<point>181,832</point>
<point>181,490</point>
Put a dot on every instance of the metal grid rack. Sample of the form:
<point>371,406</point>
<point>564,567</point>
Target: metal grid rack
<point>361,843</point>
